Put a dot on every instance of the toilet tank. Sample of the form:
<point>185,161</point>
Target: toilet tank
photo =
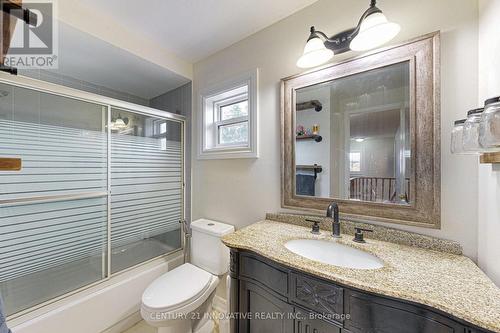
<point>207,250</point>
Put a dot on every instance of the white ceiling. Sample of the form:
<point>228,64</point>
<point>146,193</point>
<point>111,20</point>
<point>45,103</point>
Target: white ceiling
<point>195,29</point>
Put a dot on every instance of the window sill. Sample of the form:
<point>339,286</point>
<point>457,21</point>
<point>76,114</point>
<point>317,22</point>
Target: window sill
<point>227,153</point>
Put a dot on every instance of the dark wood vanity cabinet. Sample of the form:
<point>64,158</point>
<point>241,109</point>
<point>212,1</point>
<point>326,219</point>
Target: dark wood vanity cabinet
<point>269,297</point>
<point>374,314</point>
<point>269,312</point>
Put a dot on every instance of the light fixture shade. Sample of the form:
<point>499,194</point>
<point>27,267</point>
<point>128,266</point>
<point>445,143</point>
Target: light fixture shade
<point>315,54</point>
<point>119,124</point>
<point>374,31</point>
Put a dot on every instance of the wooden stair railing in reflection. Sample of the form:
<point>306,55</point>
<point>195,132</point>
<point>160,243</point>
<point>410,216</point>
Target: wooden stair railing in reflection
<point>378,189</point>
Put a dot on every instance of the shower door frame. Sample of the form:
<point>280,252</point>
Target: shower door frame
<point>108,103</point>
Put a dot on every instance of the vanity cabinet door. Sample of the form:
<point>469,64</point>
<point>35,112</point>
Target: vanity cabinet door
<point>259,271</point>
<point>305,323</point>
<point>263,312</point>
<point>319,296</point>
<point>369,314</point>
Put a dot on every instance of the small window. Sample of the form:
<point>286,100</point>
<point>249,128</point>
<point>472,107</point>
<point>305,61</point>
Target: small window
<point>159,131</point>
<point>229,121</point>
<point>159,128</point>
<point>234,110</point>
<point>233,134</point>
<point>163,128</point>
<point>232,122</point>
<point>355,162</point>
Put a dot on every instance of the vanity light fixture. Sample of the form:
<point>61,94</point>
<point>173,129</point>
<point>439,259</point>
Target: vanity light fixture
<point>373,30</point>
<point>360,139</point>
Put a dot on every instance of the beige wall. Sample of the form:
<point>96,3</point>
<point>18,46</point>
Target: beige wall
<point>489,176</point>
<point>242,191</point>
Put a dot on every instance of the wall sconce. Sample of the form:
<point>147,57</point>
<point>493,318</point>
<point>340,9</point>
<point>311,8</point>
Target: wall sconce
<point>373,30</point>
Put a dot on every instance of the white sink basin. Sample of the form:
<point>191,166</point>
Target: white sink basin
<point>333,253</point>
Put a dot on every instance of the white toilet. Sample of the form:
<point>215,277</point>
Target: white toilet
<point>180,301</point>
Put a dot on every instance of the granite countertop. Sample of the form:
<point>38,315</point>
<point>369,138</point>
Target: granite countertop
<point>445,281</point>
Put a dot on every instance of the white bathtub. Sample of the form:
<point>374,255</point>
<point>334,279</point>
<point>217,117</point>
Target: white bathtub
<point>111,306</point>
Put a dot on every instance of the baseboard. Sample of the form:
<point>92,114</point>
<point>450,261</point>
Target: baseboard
<point>125,324</point>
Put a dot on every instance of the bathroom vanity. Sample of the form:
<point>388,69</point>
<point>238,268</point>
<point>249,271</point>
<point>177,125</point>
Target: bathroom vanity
<point>276,290</point>
<point>373,150</point>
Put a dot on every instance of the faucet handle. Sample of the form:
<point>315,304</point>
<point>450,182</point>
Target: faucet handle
<point>315,227</point>
<point>358,235</point>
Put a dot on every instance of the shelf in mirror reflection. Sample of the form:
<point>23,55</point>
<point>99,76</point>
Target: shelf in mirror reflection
<point>317,138</point>
<point>490,158</point>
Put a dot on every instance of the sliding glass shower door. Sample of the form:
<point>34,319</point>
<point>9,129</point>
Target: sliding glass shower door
<point>100,191</point>
<point>53,213</point>
<point>146,187</point>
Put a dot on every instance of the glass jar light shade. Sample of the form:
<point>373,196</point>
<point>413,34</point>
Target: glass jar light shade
<point>457,137</point>
<point>374,31</point>
<point>315,54</point>
<point>489,131</point>
<point>471,131</point>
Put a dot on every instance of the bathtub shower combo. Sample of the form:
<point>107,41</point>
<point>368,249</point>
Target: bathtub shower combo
<point>100,190</point>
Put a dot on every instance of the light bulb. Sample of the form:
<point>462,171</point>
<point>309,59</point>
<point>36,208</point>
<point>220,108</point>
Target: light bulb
<point>374,31</point>
<point>118,124</point>
<point>315,54</point>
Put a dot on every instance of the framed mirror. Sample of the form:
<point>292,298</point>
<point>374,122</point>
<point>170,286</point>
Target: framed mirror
<point>365,133</point>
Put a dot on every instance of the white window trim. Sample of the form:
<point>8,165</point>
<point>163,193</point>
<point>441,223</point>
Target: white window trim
<point>247,150</point>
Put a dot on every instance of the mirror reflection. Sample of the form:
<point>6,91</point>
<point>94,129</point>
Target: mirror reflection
<point>353,137</point>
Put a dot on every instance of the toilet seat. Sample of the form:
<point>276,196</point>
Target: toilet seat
<point>180,290</point>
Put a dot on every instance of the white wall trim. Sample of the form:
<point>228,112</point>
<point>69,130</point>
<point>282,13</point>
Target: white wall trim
<point>251,150</point>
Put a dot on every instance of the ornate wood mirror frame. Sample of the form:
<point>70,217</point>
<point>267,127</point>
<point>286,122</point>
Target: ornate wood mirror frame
<point>423,55</point>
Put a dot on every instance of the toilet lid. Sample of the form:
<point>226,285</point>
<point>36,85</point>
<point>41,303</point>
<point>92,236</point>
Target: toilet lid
<point>176,287</point>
